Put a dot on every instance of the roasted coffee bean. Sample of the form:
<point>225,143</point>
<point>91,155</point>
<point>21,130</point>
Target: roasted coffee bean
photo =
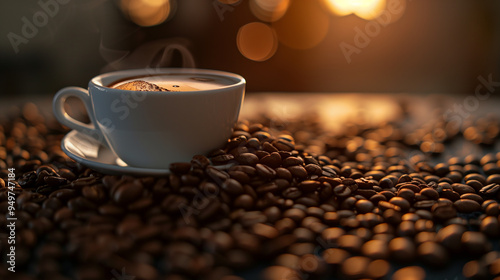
<point>472,196</point>
<point>378,269</point>
<point>364,206</point>
<point>388,194</point>
<point>450,237</point>
<point>298,172</point>
<point>443,211</point>
<point>490,190</point>
<point>64,194</point>
<point>449,194</point>
<point>247,159</point>
<point>408,185</point>
<point>491,168</point>
<point>475,270</point>
<point>409,272</point>
<point>410,217</point>
<point>268,147</point>
<point>267,188</point>
<point>342,191</point>
<point>309,185</point>
<point>292,193</point>
<point>308,201</point>
<point>350,243</point>
<point>492,209</point>
<point>94,193</point>
<point>475,184</point>
<point>82,182</point>
<point>475,176</point>
<point>283,173</point>
<point>63,214</point>
<point>313,169</point>
<point>303,235</point>
<point>282,184</point>
<point>128,192</point>
<point>406,228</point>
<point>330,171</point>
<point>424,225</point>
<point>407,194</point>
<point>424,204</point>
<point>432,254</point>
<point>232,186</point>
<point>462,188</point>
<point>30,207</point>
<point>272,160</point>
<point>48,169</point>
<point>244,201</point>
<point>424,214</point>
<point>222,159</point>
<point>290,161</point>
<point>402,249</point>
<point>278,272</point>
<point>375,249</point>
<point>355,267</point>
<point>475,243</point>
<point>239,176</point>
<point>52,203</point>
<point>375,199</point>
<point>385,205</point>
<point>366,194</point>
<point>467,205</point>
<point>110,209</point>
<point>283,145</point>
<point>218,176</point>
<point>28,180</point>
<point>331,218</point>
<point>264,231</point>
<point>493,178</point>
<point>425,236</point>
<point>265,171</point>
<point>78,204</point>
<point>490,226</point>
<point>200,161</point>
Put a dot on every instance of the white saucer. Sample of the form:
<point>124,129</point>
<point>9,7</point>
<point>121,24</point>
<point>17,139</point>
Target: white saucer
<point>91,153</point>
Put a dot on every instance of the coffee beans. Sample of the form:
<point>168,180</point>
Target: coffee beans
<point>433,254</point>
<point>309,204</point>
<point>232,186</point>
<point>467,205</point>
<point>409,272</point>
<point>402,249</point>
<point>128,192</point>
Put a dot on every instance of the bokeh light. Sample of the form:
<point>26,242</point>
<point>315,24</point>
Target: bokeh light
<point>257,41</point>
<point>269,10</point>
<point>366,9</point>
<point>304,25</point>
<point>147,12</point>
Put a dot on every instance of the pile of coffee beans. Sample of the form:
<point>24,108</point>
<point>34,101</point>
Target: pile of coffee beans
<point>287,201</point>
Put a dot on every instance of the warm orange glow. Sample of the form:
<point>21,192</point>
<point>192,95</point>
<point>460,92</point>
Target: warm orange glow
<point>146,12</point>
<point>269,10</point>
<point>257,41</point>
<point>303,26</point>
<point>367,9</point>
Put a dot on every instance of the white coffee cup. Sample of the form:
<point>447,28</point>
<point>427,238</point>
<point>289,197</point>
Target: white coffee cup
<point>152,129</point>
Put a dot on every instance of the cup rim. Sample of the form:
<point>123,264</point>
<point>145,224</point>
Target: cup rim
<point>97,81</point>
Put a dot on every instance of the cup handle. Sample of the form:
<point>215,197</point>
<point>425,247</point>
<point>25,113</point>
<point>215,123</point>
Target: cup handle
<point>65,119</point>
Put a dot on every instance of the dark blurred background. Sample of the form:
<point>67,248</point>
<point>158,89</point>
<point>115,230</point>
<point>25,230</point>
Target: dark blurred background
<point>415,46</point>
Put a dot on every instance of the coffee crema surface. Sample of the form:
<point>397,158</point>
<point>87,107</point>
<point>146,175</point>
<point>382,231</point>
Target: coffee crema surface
<point>172,82</point>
